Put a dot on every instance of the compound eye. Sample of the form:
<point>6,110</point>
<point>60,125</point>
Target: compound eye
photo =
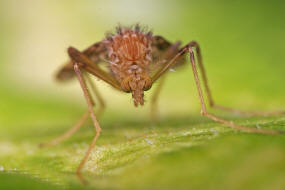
<point>125,85</point>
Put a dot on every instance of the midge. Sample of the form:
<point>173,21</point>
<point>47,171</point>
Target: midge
<point>136,59</point>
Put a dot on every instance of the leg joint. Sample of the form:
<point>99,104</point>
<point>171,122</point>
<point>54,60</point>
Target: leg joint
<point>203,113</point>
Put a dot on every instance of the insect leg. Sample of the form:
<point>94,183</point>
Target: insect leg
<point>189,48</point>
<point>92,115</point>
<point>209,95</point>
<point>212,116</point>
<point>81,61</point>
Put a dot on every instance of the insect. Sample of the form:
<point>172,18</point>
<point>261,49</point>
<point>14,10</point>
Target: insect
<point>135,60</point>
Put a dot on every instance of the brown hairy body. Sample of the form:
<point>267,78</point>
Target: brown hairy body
<point>135,60</point>
<point>130,55</point>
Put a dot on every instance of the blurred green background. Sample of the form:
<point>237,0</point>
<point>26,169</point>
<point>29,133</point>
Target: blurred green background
<point>242,44</point>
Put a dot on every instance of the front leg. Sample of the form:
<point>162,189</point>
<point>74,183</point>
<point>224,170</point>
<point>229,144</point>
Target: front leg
<point>78,58</point>
<point>204,111</point>
<point>209,94</point>
<point>189,49</point>
<point>92,115</point>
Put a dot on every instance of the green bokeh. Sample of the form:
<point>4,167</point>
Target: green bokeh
<point>242,44</point>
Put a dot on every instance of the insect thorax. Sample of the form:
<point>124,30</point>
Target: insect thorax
<point>130,55</point>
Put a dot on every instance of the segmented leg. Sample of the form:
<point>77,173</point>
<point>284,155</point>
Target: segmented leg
<point>212,116</point>
<point>92,115</point>
<point>80,60</point>
<point>189,48</point>
<point>209,95</point>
